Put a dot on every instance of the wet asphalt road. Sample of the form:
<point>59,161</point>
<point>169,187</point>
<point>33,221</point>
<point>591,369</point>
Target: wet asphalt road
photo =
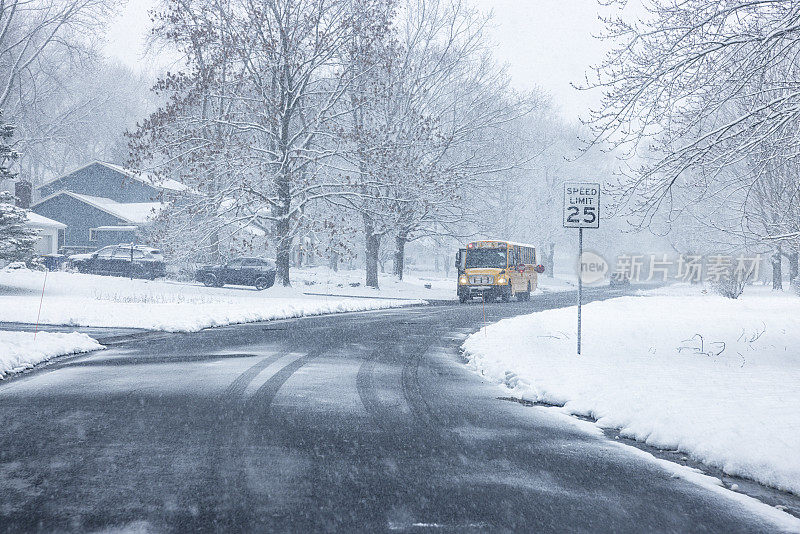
<point>353,422</point>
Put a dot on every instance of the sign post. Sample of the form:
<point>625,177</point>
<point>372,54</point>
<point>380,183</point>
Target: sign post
<point>581,210</point>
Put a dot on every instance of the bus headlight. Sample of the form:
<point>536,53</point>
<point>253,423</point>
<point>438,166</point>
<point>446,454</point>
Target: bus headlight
<point>463,280</point>
<point>501,280</point>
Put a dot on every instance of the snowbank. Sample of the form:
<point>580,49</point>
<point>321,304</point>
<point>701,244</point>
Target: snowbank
<point>712,377</point>
<point>90,300</point>
<point>23,350</point>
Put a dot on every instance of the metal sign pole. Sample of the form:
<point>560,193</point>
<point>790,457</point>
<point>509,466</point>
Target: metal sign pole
<point>581,210</point>
<point>580,284</point>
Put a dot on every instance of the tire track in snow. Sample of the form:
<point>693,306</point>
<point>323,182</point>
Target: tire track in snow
<point>366,388</point>
<point>228,467</point>
<point>236,389</point>
<point>266,393</point>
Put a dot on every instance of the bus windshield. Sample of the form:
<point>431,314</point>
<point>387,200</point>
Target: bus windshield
<point>486,257</point>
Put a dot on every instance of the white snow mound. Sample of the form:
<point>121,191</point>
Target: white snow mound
<point>713,377</point>
<point>106,301</point>
<point>23,350</point>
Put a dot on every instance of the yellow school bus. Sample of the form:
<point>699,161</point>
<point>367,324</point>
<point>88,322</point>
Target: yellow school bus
<point>497,269</point>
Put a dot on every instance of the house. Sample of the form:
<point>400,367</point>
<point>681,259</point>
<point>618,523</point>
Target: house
<point>101,179</point>
<point>49,233</point>
<point>102,204</point>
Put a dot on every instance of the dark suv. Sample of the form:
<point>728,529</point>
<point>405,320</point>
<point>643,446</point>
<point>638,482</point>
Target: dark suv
<point>120,260</point>
<point>256,272</point>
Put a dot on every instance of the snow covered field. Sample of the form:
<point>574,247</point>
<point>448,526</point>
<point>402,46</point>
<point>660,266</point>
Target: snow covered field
<point>90,300</point>
<point>712,377</point>
<point>103,301</point>
<point>413,285</point>
<point>351,283</point>
<point>23,350</point>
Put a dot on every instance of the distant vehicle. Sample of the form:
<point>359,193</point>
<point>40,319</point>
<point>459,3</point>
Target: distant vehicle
<point>619,280</point>
<point>497,270</point>
<point>137,261</point>
<point>53,262</point>
<point>257,272</point>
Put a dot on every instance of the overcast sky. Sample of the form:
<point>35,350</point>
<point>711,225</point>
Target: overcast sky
<point>545,43</point>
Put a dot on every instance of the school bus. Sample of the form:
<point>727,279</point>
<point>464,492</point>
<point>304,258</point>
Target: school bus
<point>497,269</point>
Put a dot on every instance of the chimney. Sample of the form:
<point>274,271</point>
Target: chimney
<point>23,191</point>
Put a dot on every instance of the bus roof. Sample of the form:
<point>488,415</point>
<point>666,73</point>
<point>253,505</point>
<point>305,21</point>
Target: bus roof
<point>511,243</point>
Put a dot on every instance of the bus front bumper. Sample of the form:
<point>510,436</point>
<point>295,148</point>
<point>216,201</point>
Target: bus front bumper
<point>485,292</point>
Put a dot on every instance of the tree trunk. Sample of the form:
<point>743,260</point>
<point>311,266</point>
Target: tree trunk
<point>334,261</point>
<point>284,251</point>
<point>793,265</point>
<point>215,253</point>
<point>399,255</point>
<point>283,229</point>
<point>373,244</point>
<point>550,261</point>
<point>777,273</point>
<point>283,184</point>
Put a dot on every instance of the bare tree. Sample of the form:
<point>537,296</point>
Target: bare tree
<point>42,44</point>
<point>81,119</point>
<point>253,109</point>
<point>673,81</point>
<point>423,109</point>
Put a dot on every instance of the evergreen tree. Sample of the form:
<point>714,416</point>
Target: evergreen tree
<point>16,240</point>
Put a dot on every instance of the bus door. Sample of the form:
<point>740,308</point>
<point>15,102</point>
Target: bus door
<point>461,261</point>
<point>514,266</point>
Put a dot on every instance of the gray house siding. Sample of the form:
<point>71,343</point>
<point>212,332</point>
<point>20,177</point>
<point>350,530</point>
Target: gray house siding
<point>80,218</point>
<point>100,181</point>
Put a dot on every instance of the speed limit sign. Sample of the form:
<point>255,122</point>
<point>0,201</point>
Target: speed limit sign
<point>581,210</point>
<point>581,205</point>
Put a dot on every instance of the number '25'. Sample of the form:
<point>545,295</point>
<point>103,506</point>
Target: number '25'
<point>589,214</point>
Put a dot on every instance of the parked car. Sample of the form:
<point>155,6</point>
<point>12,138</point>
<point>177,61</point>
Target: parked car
<point>619,280</point>
<point>120,260</point>
<point>256,272</point>
<point>53,262</point>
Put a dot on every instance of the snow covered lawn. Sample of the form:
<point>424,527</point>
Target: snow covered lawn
<point>23,350</point>
<point>90,300</point>
<point>715,378</point>
<point>351,282</point>
<point>413,286</point>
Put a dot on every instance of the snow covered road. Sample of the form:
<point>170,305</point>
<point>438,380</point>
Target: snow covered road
<point>354,422</point>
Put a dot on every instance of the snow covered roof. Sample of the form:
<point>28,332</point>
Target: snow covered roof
<point>135,212</point>
<point>34,219</point>
<point>116,228</point>
<point>254,230</point>
<point>132,212</point>
<point>149,179</point>
<point>145,178</point>
<point>512,243</point>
